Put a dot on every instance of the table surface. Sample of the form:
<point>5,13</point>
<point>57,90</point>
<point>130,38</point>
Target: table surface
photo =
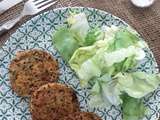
<point>145,20</point>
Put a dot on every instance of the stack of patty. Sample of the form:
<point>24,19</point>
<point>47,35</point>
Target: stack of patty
<point>35,73</point>
<point>55,101</point>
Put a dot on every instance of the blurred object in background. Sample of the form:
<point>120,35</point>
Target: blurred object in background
<point>142,3</point>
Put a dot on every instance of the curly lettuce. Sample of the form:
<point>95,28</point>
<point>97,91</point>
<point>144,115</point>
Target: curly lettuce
<point>78,34</point>
<point>109,89</point>
<point>98,59</point>
<point>102,59</point>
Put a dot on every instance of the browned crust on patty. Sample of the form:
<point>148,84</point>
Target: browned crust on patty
<point>31,69</point>
<point>52,102</point>
<point>82,116</point>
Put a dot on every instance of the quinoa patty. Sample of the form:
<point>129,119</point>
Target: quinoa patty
<point>82,116</point>
<point>31,69</point>
<point>53,101</point>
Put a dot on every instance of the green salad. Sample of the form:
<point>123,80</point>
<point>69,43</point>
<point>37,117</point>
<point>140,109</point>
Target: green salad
<point>104,58</point>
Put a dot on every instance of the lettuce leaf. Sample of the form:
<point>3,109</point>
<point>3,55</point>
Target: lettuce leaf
<point>110,89</point>
<point>82,54</point>
<point>64,40</point>
<point>132,108</point>
<point>94,35</point>
<point>104,92</point>
<point>88,70</point>
<point>124,39</point>
<point>79,26</point>
<point>138,84</point>
<point>121,54</point>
